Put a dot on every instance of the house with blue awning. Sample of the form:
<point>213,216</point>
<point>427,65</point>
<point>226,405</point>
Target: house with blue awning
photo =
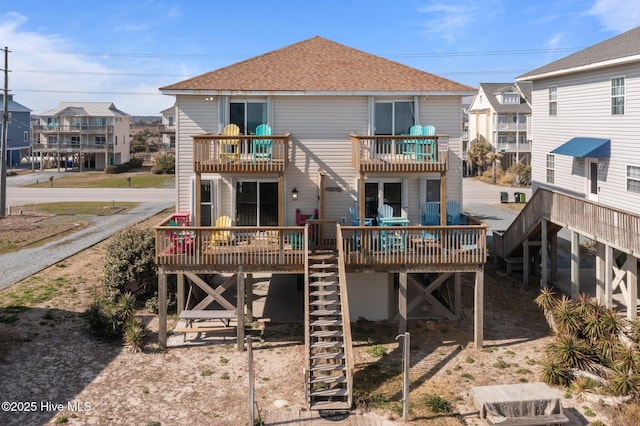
<point>585,173</point>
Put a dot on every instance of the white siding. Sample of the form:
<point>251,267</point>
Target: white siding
<point>368,296</point>
<point>584,109</point>
<point>195,116</point>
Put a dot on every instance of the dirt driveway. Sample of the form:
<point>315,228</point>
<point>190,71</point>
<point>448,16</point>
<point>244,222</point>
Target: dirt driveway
<point>54,371</point>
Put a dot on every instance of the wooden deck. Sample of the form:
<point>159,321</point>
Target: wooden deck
<point>269,249</point>
<point>315,418</point>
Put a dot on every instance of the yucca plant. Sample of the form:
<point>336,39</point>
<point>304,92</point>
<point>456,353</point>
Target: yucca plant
<point>627,357</point>
<point>633,329</point>
<point>566,317</point>
<point>581,385</point>
<point>572,352</point>
<point>594,325</point>
<point>547,301</point>
<point>612,322</point>
<point>585,304</point>
<point>606,348</point>
<point>134,334</point>
<point>554,371</point>
<point>624,383</point>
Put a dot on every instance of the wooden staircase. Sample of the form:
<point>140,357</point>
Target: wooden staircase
<point>327,334</point>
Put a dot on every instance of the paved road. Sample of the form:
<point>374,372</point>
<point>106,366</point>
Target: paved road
<point>19,265</point>
<point>482,201</point>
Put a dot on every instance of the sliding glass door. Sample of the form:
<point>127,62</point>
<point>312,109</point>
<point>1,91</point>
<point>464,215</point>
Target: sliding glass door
<point>256,203</point>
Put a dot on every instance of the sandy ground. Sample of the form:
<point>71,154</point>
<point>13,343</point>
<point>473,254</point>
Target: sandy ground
<point>54,371</point>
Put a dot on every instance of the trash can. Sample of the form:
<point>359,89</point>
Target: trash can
<point>504,197</point>
<point>516,196</point>
<point>523,197</point>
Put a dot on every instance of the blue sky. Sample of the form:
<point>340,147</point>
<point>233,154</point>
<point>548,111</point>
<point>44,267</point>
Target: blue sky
<point>123,51</point>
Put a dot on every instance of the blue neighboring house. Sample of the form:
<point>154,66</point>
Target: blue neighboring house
<point>18,131</point>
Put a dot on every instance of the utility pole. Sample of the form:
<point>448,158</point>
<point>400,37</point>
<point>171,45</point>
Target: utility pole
<point>5,125</point>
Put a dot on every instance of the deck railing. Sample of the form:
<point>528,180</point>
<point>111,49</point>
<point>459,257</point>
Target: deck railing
<point>68,128</point>
<point>242,153</point>
<point>66,146</point>
<point>268,248</point>
<point>617,228</point>
<point>400,153</point>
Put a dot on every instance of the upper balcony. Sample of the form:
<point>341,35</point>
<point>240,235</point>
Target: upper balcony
<point>512,127</point>
<point>514,146</point>
<point>79,128</point>
<point>167,129</point>
<point>397,154</point>
<point>240,154</point>
<point>71,147</point>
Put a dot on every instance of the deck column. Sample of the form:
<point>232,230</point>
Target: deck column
<point>543,255</point>
<point>162,310</point>
<point>575,263</point>
<point>554,257</point>
<point>240,310</point>
<point>631,266</point>
<point>457,310</point>
<point>248,291</point>
<point>180,291</point>
<point>600,271</point>
<point>608,276</point>
<point>402,303</point>
<point>478,311</point>
<point>526,262</point>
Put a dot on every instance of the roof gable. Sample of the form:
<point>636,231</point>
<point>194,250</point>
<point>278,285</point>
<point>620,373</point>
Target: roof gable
<point>493,93</point>
<point>91,109</point>
<point>317,64</point>
<point>625,45</point>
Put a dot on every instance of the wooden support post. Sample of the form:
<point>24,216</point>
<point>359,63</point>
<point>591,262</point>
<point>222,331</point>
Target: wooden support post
<point>600,272</point>
<point>443,197</point>
<point>402,303</point>
<point>240,310</point>
<point>478,310</point>
<point>198,201</point>
<point>554,257</point>
<point>543,255</point>
<point>162,310</point>
<point>608,276</point>
<point>361,205</point>
<point>631,266</point>
<point>248,291</point>
<point>280,197</point>
<point>457,310</point>
<point>575,263</point>
<point>180,291</point>
<point>526,262</point>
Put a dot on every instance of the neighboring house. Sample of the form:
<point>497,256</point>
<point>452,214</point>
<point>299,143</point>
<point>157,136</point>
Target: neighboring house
<point>500,114</point>
<point>82,135</point>
<point>168,128</point>
<point>18,134</point>
<point>342,136</point>
<point>585,167</point>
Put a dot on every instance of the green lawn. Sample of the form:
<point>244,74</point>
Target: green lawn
<point>139,179</point>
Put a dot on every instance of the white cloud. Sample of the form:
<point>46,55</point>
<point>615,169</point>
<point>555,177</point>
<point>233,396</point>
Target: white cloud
<point>450,20</point>
<point>41,76</point>
<point>617,15</point>
<point>554,42</point>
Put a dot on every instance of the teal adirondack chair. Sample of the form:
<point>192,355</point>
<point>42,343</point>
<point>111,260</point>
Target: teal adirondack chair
<point>430,214</point>
<point>455,216</point>
<point>410,144</point>
<point>262,149</point>
<point>426,148</point>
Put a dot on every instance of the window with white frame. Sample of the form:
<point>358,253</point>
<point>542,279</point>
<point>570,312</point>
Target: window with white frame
<point>553,100</point>
<point>248,115</point>
<point>617,96</point>
<point>551,168</point>
<point>633,179</point>
<point>394,117</point>
<point>510,98</point>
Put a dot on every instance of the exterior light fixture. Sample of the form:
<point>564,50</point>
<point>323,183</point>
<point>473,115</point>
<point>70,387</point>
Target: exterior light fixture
<point>294,194</point>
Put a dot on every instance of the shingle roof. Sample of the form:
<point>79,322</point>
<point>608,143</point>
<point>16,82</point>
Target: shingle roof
<point>321,65</point>
<point>625,45</point>
<point>493,91</point>
<point>91,109</point>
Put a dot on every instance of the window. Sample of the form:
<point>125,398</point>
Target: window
<point>551,168</point>
<point>379,193</point>
<point>247,115</point>
<point>553,100</point>
<point>433,190</point>
<point>100,121</point>
<point>170,120</point>
<point>617,96</point>
<point>394,118</point>
<point>256,203</point>
<point>26,136</point>
<point>100,140</point>
<point>633,179</point>
<point>510,98</point>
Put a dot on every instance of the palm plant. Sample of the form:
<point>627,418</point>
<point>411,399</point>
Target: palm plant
<point>624,382</point>
<point>627,357</point>
<point>566,317</point>
<point>547,301</point>
<point>554,371</point>
<point>572,352</point>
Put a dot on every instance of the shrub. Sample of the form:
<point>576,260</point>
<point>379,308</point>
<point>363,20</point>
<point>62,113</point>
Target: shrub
<point>129,265</point>
<point>521,174</point>
<point>377,351</point>
<point>164,163</point>
<point>134,334</point>
<point>438,404</point>
<point>108,318</point>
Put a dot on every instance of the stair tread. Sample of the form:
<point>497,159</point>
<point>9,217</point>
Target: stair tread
<point>327,333</point>
<point>329,405</point>
<point>322,283</point>
<point>327,355</point>
<point>325,322</point>
<point>322,274</point>
<point>323,292</point>
<point>328,367</point>
<point>325,312</point>
<point>324,302</point>
<point>323,265</point>
<point>327,344</point>
<point>329,392</point>
<point>322,256</point>
<point>329,379</point>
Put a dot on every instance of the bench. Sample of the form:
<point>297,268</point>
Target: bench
<point>550,419</point>
<point>190,316</point>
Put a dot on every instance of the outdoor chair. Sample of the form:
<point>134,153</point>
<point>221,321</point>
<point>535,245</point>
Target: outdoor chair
<point>426,148</point>
<point>230,148</point>
<point>385,211</point>
<point>221,236</point>
<point>262,149</point>
<point>355,221</point>
<point>455,215</point>
<point>430,216</point>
